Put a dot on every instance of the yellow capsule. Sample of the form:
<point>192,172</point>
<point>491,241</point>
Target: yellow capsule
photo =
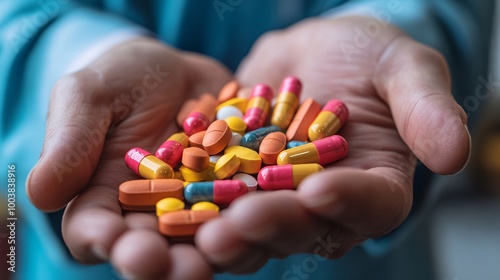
<point>288,176</point>
<point>205,205</point>
<point>286,103</point>
<point>331,118</point>
<point>180,137</point>
<point>193,176</point>
<point>323,151</point>
<point>169,204</point>
<point>238,102</point>
<point>226,166</point>
<point>236,125</point>
<point>144,164</point>
<point>250,160</point>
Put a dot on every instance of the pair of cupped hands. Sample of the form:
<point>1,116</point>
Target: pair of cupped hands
<point>401,108</point>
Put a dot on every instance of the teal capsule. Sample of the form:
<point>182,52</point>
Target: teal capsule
<point>219,191</point>
<point>253,138</point>
<point>293,144</point>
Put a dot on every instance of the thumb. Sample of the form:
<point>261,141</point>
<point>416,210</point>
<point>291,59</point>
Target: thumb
<point>76,127</point>
<point>414,81</point>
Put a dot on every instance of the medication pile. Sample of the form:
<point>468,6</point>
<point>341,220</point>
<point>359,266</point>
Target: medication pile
<point>217,161</point>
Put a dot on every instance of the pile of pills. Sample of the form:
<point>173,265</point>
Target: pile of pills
<point>221,153</point>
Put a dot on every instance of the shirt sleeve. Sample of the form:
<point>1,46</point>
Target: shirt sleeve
<point>42,40</point>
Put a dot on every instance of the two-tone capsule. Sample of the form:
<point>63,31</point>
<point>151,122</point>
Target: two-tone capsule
<point>253,139</point>
<point>171,150</point>
<point>218,191</point>
<point>201,116</point>
<point>331,118</point>
<point>144,164</point>
<point>287,102</point>
<point>258,107</point>
<point>288,176</point>
<point>323,151</point>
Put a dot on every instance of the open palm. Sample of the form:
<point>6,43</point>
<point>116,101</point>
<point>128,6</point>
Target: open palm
<point>129,97</point>
<point>400,105</point>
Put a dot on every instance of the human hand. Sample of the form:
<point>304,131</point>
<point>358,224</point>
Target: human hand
<point>128,97</point>
<point>400,104</point>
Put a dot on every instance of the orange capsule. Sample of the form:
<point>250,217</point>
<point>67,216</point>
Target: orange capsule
<point>184,222</point>
<point>142,195</point>
<point>217,137</point>
<point>303,118</point>
<point>228,91</point>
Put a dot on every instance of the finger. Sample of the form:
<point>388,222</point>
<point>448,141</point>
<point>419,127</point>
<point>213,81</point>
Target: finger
<point>369,202</point>
<point>222,246</point>
<point>141,254</point>
<point>76,128</point>
<point>414,80</point>
<point>272,223</point>
<point>93,221</point>
<point>187,263</point>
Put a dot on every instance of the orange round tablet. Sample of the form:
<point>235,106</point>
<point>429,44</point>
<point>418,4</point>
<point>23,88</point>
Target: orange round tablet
<point>273,144</point>
<point>303,118</point>
<point>195,159</point>
<point>196,140</point>
<point>184,222</point>
<point>217,137</point>
<point>228,91</point>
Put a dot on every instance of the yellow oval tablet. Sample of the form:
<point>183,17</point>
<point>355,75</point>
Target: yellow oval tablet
<point>236,125</point>
<point>205,205</point>
<point>193,176</point>
<point>226,166</point>
<point>250,160</point>
<point>238,102</point>
<point>168,204</point>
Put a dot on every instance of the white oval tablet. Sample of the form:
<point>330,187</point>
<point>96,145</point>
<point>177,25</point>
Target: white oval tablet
<point>235,140</point>
<point>229,111</point>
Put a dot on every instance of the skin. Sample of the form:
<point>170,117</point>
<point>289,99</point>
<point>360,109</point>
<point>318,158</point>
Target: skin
<point>399,97</point>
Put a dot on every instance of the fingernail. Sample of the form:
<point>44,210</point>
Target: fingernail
<point>329,204</point>
<point>470,150</point>
<point>99,252</point>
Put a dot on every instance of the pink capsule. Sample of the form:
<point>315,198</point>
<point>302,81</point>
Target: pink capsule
<point>144,164</point>
<point>288,176</point>
<point>323,151</point>
<point>331,118</point>
<point>201,116</point>
<point>171,150</point>
<point>218,191</point>
<point>258,107</point>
